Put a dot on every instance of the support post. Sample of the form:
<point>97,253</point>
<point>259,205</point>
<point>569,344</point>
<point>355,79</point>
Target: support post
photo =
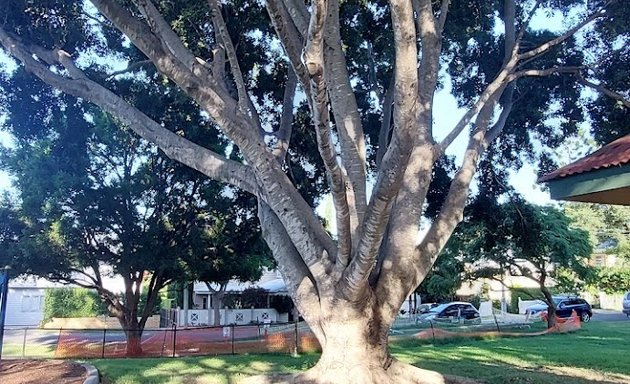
<point>4,292</point>
<point>24,343</point>
<point>174,338</point>
<point>297,339</point>
<point>103,348</point>
<point>233,329</point>
<point>186,304</point>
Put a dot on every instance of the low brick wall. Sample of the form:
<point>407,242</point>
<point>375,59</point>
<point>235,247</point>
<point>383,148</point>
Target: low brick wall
<point>94,323</point>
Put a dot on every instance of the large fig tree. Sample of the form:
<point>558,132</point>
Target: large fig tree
<point>356,80</point>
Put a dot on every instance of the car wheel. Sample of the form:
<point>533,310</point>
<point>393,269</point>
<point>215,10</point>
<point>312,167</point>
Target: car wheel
<point>585,317</point>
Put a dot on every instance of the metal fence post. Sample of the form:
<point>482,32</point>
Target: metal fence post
<point>297,338</point>
<point>233,329</point>
<point>24,343</point>
<point>432,332</point>
<point>103,349</point>
<point>496,322</point>
<point>174,338</point>
<point>58,340</point>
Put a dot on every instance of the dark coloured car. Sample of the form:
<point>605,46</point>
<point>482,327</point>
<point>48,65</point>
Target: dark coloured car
<point>457,311</point>
<point>564,307</point>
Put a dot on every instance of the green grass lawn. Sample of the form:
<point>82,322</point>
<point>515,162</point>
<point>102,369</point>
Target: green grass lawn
<point>34,351</point>
<point>596,353</point>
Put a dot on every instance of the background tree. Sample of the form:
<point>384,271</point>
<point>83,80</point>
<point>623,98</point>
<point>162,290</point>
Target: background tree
<point>98,201</point>
<point>368,72</point>
<point>11,230</point>
<point>446,275</point>
<point>231,248</point>
<point>529,241</point>
<point>609,232</point>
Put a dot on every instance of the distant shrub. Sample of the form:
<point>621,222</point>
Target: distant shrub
<point>72,302</point>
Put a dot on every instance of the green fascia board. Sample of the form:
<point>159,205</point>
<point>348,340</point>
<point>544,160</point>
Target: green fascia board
<point>590,182</point>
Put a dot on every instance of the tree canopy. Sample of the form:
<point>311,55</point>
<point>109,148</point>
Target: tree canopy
<point>333,96</point>
<point>97,201</point>
<point>537,243</point>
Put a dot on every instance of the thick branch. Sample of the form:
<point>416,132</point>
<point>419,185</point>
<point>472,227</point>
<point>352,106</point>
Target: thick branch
<point>163,31</point>
<point>130,68</point>
<point>404,223</point>
<point>244,102</point>
<point>313,55</point>
<point>347,120</point>
<point>404,272</point>
<point>300,283</point>
<point>175,146</point>
<point>289,36</point>
<point>286,120</point>
<point>299,15</point>
<point>600,88</point>
<point>543,48</point>
<point>355,278</point>
<point>443,14</point>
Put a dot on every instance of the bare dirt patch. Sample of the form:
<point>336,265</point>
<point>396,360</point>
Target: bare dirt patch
<point>41,371</point>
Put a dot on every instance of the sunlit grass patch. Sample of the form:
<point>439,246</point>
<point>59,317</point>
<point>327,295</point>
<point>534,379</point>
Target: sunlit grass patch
<point>596,353</point>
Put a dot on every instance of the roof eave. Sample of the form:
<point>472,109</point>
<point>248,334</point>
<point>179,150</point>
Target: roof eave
<point>607,185</point>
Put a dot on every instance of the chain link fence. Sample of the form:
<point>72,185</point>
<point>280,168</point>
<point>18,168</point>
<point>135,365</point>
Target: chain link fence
<point>287,338</point>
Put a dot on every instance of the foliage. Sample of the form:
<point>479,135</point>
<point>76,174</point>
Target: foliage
<point>254,297</point>
<point>608,225</point>
<point>613,280</point>
<point>72,302</point>
<point>282,303</point>
<point>446,275</point>
<point>534,242</point>
<point>11,228</point>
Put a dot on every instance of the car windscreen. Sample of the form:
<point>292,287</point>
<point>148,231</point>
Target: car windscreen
<point>439,308</point>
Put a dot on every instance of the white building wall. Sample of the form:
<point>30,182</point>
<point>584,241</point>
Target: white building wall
<point>25,307</point>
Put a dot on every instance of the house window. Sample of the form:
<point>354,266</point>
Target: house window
<point>204,303</point>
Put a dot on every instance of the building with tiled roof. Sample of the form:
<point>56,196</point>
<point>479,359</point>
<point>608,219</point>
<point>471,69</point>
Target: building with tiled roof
<point>601,177</point>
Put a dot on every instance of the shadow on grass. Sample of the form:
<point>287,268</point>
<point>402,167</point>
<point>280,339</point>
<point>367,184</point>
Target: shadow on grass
<point>594,354</point>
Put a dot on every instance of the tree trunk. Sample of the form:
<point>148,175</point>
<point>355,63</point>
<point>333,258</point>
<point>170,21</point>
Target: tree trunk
<point>551,307</point>
<point>134,341</point>
<point>354,351</point>
<point>216,307</point>
<point>354,343</point>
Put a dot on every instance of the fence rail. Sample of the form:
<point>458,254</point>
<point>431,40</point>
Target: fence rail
<point>164,342</point>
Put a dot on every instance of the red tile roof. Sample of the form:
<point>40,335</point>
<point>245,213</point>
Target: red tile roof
<point>612,154</point>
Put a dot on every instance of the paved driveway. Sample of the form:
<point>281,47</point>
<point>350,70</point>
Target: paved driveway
<point>609,315</point>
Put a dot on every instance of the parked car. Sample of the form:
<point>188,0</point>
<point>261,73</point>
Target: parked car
<point>455,311</point>
<point>565,305</point>
<point>626,304</point>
